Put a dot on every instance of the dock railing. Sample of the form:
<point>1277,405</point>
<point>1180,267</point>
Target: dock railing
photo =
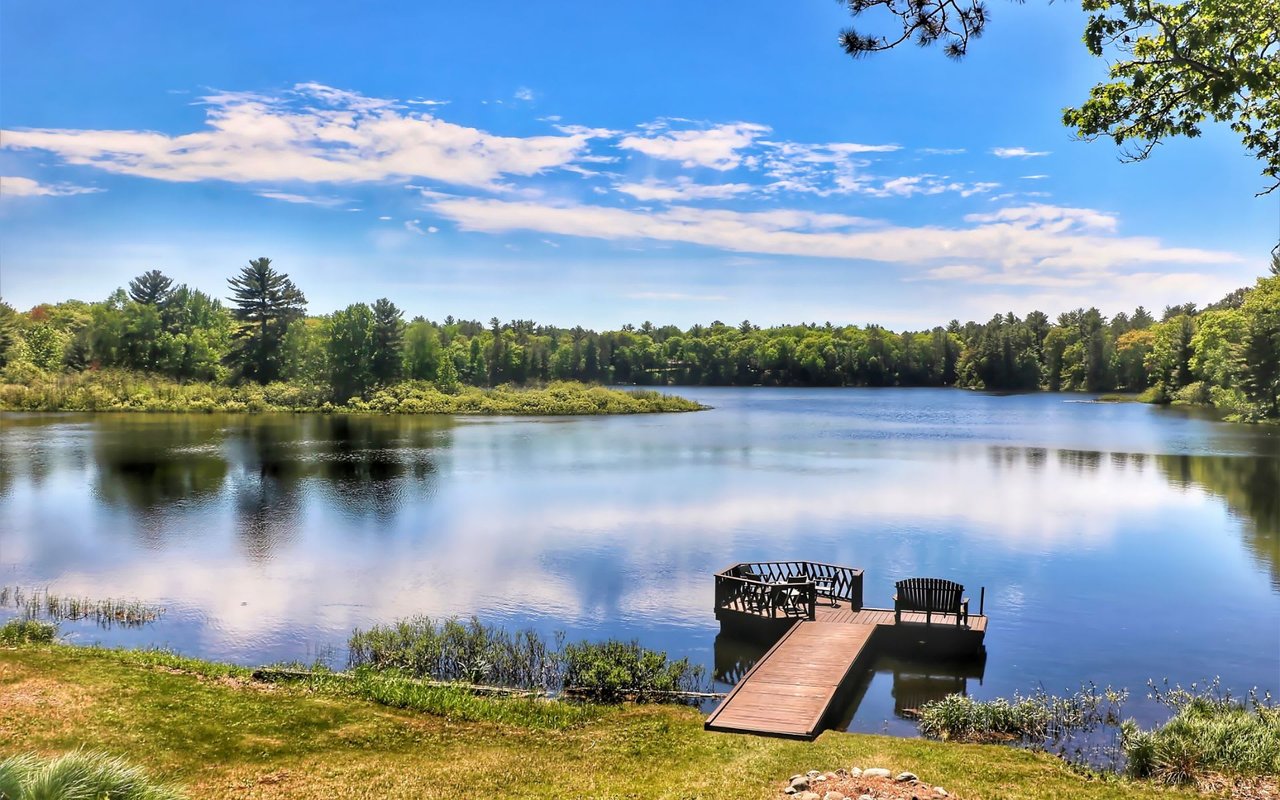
<point>786,589</point>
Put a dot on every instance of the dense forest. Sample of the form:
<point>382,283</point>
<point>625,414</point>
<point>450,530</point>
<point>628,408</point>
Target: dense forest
<point>1227,354</point>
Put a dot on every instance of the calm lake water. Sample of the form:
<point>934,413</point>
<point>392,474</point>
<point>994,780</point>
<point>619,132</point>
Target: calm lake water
<point>1116,542</point>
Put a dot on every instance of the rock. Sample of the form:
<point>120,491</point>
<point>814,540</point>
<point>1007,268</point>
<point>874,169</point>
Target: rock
<point>866,797</point>
<point>813,773</point>
<point>941,792</point>
<point>808,796</point>
<point>841,773</point>
<point>854,772</point>
<point>793,777</point>
<point>903,777</point>
<point>819,778</point>
<point>833,796</point>
<point>788,790</point>
<point>876,772</point>
<point>800,783</point>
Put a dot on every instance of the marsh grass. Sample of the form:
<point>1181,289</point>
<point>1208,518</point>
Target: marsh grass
<point>37,604</point>
<point>1034,719</point>
<point>79,775</point>
<point>474,653</point>
<point>1210,732</point>
<point>452,650</point>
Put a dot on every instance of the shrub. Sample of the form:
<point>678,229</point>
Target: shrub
<point>27,631</point>
<point>612,671</point>
<point>80,775</point>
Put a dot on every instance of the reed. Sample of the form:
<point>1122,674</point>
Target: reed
<point>46,605</point>
<point>27,631</point>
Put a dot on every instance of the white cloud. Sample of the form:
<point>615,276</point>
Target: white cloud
<point>14,186</point>
<point>313,133</point>
<point>302,199</point>
<point>1034,177</point>
<point>524,93</point>
<point>682,188</point>
<point>1017,152</point>
<point>941,151</point>
<point>385,219</point>
<point>717,148</point>
<point>1057,244</point>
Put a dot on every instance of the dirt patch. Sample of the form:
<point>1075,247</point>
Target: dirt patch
<point>856,784</point>
<point>1265,787</point>
<point>55,704</point>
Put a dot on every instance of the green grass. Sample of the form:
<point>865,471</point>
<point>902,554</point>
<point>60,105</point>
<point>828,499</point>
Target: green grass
<point>117,390</point>
<point>219,734</point>
<point>79,775</point>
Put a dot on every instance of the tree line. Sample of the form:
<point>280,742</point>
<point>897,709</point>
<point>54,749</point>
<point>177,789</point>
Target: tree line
<point>1226,354</point>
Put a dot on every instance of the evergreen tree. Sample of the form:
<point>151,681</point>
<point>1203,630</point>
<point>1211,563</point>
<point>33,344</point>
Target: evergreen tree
<point>388,342</point>
<point>151,288</point>
<point>266,303</point>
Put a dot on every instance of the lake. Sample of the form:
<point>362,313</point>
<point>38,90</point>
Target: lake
<point>1116,542</point>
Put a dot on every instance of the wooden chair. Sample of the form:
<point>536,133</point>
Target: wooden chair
<point>932,596</point>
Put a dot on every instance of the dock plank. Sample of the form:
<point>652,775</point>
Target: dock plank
<point>790,690</point>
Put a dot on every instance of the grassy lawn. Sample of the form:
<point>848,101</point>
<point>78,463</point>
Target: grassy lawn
<point>221,735</point>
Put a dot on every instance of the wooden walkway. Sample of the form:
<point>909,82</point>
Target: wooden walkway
<point>791,689</point>
<point>788,691</point>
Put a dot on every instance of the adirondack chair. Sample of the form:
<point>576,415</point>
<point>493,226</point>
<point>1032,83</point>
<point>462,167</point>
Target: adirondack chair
<point>932,596</point>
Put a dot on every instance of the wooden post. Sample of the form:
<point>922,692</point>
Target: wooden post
<point>982,600</point>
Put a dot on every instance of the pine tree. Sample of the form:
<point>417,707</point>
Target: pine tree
<point>151,288</point>
<point>266,303</point>
<point>388,342</point>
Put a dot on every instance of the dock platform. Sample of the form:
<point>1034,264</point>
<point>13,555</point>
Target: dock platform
<point>798,684</point>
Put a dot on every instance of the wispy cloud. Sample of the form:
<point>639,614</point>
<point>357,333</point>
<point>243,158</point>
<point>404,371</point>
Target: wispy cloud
<point>1017,152</point>
<point>14,186</point>
<point>312,133</point>
<point>719,147</point>
<point>302,199</point>
<point>524,93</point>
<point>682,188</point>
<point>1051,241</point>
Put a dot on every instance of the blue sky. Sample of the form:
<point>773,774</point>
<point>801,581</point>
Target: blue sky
<point>595,164</point>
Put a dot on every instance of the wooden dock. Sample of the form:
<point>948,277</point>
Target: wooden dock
<point>789,690</point>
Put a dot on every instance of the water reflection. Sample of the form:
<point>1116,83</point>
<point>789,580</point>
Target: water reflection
<point>1251,488</point>
<point>612,526</point>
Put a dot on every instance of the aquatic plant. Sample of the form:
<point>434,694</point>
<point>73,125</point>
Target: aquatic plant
<point>473,653</point>
<point>79,775</point>
<point>1035,719</point>
<point>106,613</point>
<point>451,650</point>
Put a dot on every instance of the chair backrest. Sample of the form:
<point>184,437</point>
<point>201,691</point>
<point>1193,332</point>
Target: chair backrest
<point>936,594</point>
<point>747,574</point>
<point>798,579</point>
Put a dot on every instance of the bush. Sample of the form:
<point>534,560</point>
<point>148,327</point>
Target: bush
<point>27,631</point>
<point>78,776</point>
<point>613,671</point>
<point>1196,393</point>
